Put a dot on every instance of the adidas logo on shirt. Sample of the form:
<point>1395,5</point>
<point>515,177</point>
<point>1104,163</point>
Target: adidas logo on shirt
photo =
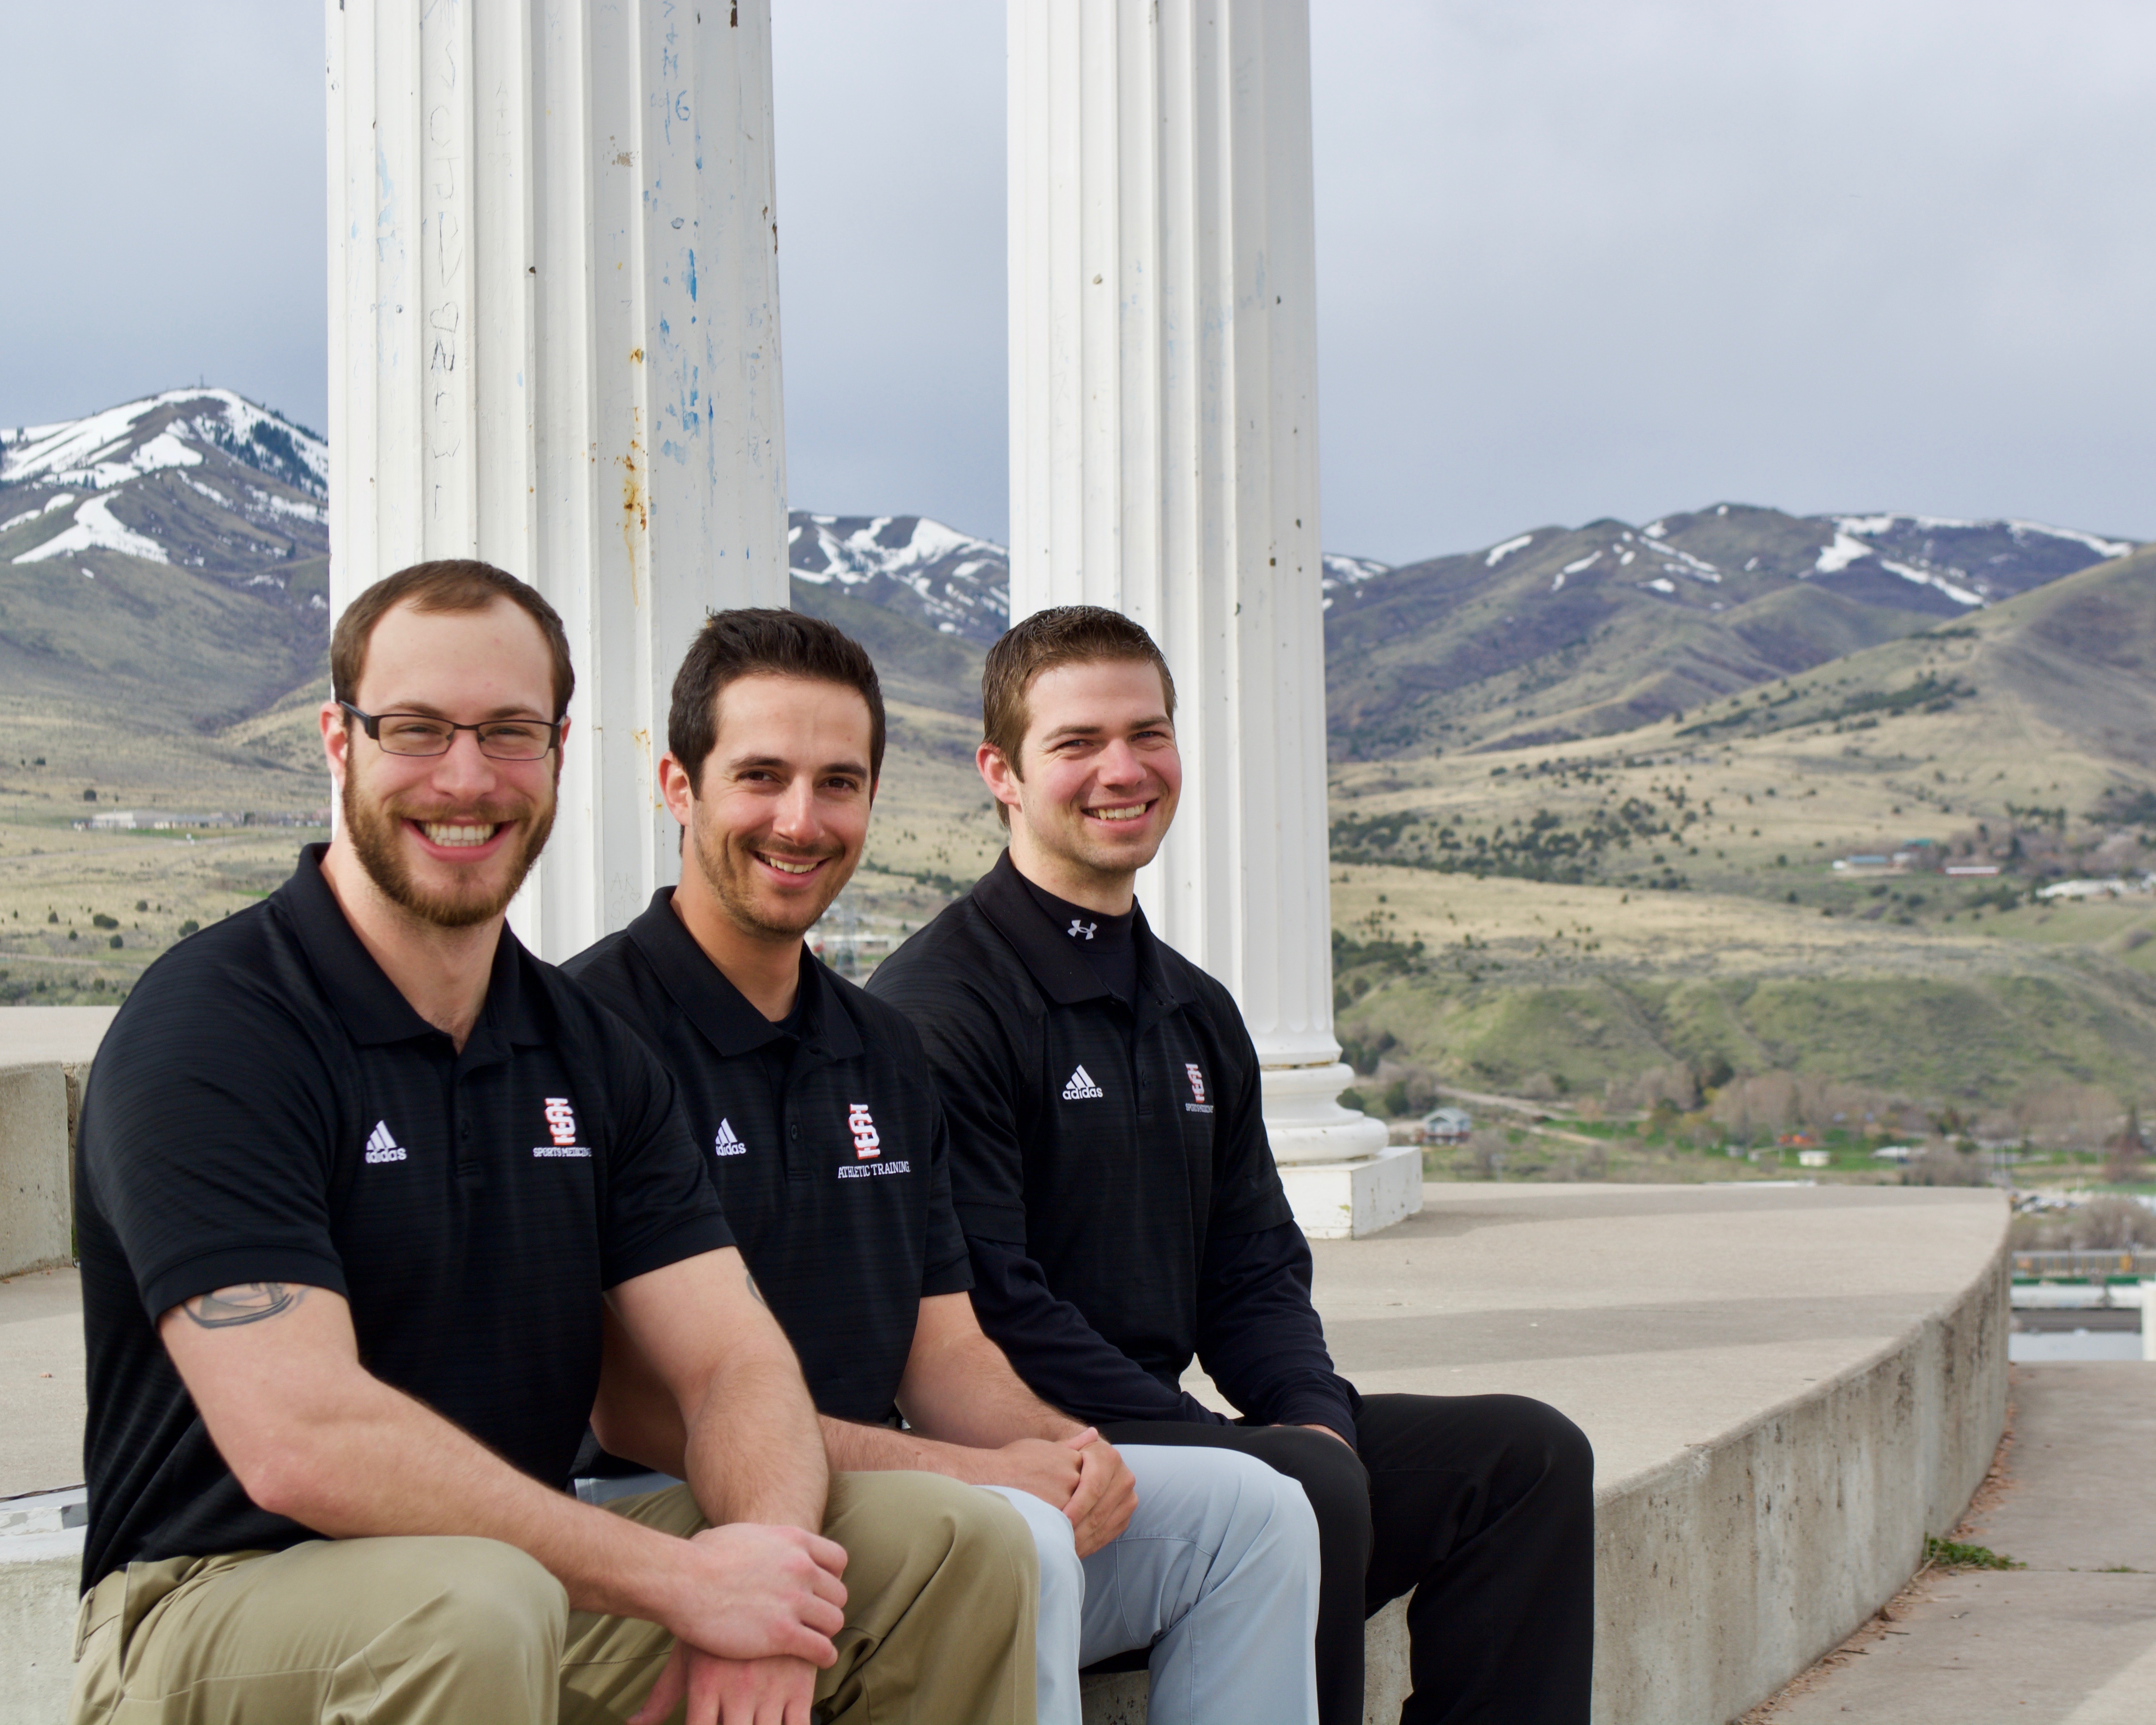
<point>1081,1087</point>
<point>382,1146</point>
<point>727,1142</point>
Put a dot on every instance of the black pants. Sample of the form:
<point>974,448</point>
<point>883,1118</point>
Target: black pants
<point>1484,1506</point>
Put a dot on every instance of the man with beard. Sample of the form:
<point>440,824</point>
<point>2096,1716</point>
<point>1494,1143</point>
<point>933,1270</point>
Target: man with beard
<point>828,1149</point>
<point>1111,1171</point>
<point>374,1206</point>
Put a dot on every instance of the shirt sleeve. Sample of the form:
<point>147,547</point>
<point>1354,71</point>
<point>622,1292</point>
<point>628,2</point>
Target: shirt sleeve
<point>660,1206</point>
<point>212,1170</point>
<point>1063,1360</point>
<point>946,1268</point>
<point>1259,1337</point>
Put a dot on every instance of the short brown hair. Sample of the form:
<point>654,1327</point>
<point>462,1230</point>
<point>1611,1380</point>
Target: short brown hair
<point>752,643</point>
<point>1062,634</point>
<point>449,584</point>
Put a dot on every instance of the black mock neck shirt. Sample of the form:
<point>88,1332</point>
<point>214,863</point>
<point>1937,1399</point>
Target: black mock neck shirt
<point>1107,944</point>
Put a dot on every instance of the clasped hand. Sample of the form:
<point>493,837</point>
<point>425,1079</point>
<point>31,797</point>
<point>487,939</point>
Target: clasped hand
<point>1081,1475</point>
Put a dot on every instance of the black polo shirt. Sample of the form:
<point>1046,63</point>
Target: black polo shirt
<point>823,1138</point>
<point>268,1107</point>
<point>1111,1168</point>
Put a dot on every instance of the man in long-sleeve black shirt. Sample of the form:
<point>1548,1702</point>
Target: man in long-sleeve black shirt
<point>1112,1173</point>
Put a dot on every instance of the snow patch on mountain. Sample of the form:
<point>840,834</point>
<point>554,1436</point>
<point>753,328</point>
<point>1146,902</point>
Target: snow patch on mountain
<point>1342,574</point>
<point>2106,548</point>
<point>1926,577</point>
<point>94,528</point>
<point>1845,550</point>
<point>1498,553</point>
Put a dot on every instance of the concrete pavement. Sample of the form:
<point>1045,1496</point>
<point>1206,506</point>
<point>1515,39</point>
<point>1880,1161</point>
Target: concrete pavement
<point>2071,1640</point>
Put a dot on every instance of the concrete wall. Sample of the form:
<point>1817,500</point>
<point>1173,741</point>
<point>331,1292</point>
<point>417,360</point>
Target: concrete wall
<point>1723,1572</point>
<point>37,1209</point>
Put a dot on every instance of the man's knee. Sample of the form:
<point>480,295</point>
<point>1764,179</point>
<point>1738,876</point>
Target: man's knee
<point>1540,1441</point>
<point>490,1592</point>
<point>888,1520</point>
<point>1265,1504</point>
<point>492,1613</point>
<point>1054,1541</point>
<point>1334,1482</point>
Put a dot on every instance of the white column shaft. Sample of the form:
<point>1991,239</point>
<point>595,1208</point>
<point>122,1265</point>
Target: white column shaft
<point>1164,462</point>
<point>554,346</point>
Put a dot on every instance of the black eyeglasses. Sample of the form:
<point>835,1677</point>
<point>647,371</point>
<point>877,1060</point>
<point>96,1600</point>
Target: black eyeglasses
<point>418,734</point>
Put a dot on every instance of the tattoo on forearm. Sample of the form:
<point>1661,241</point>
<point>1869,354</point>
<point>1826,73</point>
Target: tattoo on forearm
<point>755,1292</point>
<point>247,1303</point>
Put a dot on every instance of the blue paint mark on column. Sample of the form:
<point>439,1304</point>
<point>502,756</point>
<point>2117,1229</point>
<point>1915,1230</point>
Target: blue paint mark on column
<point>692,275</point>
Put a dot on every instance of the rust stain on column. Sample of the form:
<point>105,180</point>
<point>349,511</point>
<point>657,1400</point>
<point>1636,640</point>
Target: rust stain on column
<point>635,517</point>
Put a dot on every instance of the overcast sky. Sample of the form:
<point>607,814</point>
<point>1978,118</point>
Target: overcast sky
<point>1601,257</point>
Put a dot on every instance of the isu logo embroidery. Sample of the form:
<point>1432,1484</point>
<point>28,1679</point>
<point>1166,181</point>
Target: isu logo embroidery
<point>1081,931</point>
<point>1197,1104</point>
<point>728,1142</point>
<point>866,1141</point>
<point>561,1128</point>
<point>382,1146</point>
<point>1081,1087</point>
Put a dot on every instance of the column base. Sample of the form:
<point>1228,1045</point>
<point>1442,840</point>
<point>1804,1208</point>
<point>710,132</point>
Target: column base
<point>1347,1200</point>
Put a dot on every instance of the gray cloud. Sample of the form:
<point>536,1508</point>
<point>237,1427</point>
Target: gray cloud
<point>1575,259</point>
<point>161,189</point>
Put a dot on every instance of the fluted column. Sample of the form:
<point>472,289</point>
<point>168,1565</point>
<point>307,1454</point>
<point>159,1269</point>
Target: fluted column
<point>1164,463</point>
<point>554,346</point>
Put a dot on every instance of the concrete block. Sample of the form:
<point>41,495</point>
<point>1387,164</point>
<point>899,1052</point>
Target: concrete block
<point>1347,1200</point>
<point>1121,1700</point>
<point>37,1211</point>
<point>40,1567</point>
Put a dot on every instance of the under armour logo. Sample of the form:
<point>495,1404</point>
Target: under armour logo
<point>1080,931</point>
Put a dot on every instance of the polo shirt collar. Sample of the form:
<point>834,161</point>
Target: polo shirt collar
<point>1056,969</point>
<point>373,1009</point>
<point>721,1012</point>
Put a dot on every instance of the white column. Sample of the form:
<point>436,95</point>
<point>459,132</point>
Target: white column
<point>1164,464</point>
<point>554,346</point>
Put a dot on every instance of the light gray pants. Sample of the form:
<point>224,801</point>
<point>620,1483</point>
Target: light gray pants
<point>1217,1574</point>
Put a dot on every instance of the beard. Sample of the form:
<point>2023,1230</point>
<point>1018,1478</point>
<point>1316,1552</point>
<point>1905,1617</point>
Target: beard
<point>732,884</point>
<point>374,827</point>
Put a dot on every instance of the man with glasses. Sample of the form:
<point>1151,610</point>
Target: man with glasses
<point>373,1206</point>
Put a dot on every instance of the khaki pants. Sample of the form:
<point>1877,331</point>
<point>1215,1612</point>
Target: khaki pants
<point>942,1592</point>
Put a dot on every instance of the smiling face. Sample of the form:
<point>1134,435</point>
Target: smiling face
<point>449,838</point>
<point>777,818</point>
<point>1096,780</point>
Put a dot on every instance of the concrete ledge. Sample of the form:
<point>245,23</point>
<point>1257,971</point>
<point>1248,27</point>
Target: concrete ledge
<point>1729,1568</point>
<point>40,1561</point>
<point>37,1209</point>
<point>1786,1389</point>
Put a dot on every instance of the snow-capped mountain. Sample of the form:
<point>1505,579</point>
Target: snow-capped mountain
<point>200,478</point>
<point>1564,632</point>
<point>1718,557</point>
<point>956,584</point>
